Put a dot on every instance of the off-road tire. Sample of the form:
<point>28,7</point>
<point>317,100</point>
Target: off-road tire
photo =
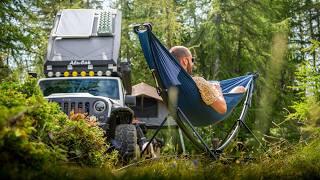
<point>126,135</point>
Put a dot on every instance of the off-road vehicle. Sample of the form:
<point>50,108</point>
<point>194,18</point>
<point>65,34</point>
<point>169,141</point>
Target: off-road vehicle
<point>84,73</point>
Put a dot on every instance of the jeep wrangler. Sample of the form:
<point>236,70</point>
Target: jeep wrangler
<point>84,73</point>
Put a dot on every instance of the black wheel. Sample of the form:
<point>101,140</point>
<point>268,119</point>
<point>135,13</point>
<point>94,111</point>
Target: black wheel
<point>126,135</point>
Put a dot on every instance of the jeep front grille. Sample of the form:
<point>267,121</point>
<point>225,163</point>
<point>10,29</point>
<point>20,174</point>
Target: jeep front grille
<point>82,105</point>
<point>77,107</point>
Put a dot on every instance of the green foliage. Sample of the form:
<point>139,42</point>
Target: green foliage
<point>16,130</point>
<point>306,107</point>
<point>34,132</point>
<point>4,71</point>
<point>302,110</point>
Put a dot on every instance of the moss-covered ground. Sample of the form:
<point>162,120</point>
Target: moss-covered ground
<point>301,163</point>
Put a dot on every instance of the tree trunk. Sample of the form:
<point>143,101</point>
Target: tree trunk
<point>310,12</point>
<point>239,48</point>
<point>168,26</point>
<point>216,67</point>
<point>301,37</point>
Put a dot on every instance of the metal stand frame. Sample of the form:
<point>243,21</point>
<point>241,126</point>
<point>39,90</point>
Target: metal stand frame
<point>227,140</point>
<point>240,122</point>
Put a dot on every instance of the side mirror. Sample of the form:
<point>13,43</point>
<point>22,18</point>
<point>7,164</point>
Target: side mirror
<point>130,100</point>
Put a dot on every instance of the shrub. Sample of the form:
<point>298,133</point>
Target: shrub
<point>34,131</point>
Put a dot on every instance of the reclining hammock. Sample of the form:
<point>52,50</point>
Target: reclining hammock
<point>191,110</point>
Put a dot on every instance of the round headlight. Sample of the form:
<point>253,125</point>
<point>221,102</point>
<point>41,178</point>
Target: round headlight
<point>99,73</point>
<point>58,74</point>
<point>50,74</point>
<point>108,73</point>
<point>99,106</point>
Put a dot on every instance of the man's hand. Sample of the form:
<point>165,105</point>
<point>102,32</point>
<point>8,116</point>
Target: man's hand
<point>238,89</point>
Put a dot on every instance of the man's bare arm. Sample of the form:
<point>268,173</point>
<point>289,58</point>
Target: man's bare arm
<point>219,104</point>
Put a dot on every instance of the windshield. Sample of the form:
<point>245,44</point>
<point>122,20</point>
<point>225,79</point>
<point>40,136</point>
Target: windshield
<point>97,87</point>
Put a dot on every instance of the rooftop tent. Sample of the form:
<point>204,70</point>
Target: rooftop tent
<point>85,34</point>
<point>75,23</point>
<point>80,37</point>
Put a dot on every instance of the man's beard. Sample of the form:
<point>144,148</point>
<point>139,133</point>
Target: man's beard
<point>189,69</point>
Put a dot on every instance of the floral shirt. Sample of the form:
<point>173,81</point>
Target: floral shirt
<point>209,92</point>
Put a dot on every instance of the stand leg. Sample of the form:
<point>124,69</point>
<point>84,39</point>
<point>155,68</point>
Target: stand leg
<point>182,141</point>
<point>226,137</point>
<point>198,135</point>
<point>255,137</point>
<point>154,135</point>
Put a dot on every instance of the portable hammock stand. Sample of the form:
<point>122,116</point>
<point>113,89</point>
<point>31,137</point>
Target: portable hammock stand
<point>190,110</point>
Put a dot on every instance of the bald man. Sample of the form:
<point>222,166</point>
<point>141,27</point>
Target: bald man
<point>210,93</point>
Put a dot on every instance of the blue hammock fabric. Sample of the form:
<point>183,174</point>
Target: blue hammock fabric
<point>172,74</point>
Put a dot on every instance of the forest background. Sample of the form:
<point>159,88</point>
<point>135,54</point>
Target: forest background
<point>279,39</point>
